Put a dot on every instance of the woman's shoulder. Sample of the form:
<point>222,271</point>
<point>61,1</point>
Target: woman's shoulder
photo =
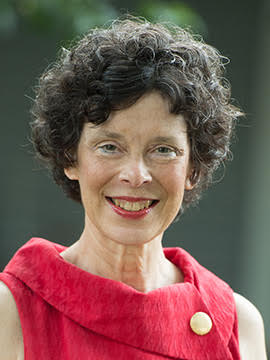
<point>250,327</point>
<point>11,340</point>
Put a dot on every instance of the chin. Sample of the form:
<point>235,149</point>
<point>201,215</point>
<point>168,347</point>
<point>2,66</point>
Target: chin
<point>133,237</point>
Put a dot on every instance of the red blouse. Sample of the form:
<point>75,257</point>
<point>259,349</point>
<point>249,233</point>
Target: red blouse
<point>69,314</point>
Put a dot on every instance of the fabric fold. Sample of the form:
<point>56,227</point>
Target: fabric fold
<point>157,322</point>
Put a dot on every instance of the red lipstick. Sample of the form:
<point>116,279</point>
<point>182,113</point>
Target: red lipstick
<point>130,214</point>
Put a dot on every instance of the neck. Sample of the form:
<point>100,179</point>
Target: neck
<point>143,267</point>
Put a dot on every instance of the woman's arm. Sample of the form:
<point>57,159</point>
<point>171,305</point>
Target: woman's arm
<point>251,330</point>
<point>10,327</point>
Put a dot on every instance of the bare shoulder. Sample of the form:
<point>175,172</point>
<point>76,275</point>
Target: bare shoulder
<point>11,343</point>
<point>251,329</point>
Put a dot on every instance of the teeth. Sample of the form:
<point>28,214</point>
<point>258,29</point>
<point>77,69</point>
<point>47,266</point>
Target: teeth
<point>132,206</point>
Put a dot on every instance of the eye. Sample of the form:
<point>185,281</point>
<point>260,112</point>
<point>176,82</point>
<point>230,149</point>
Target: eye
<point>164,150</point>
<point>107,148</point>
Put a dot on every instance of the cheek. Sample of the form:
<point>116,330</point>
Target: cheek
<point>173,182</point>
<point>94,176</point>
<point>174,179</point>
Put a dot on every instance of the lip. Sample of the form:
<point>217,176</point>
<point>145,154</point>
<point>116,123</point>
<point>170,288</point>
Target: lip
<point>130,214</point>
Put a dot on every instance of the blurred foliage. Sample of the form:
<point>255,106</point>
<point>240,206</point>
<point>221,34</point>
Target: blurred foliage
<point>68,18</point>
<point>175,11</point>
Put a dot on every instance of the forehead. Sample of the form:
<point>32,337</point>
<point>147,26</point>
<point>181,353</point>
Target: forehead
<point>150,115</point>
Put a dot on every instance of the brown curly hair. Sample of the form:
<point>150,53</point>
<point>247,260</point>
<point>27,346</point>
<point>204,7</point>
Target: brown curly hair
<point>110,69</point>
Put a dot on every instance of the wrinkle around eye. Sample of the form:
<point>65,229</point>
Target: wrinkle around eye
<point>166,153</point>
<point>164,157</point>
<point>176,152</point>
<point>102,149</point>
<point>172,153</point>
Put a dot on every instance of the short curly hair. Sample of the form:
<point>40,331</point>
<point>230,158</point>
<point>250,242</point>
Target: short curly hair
<point>110,69</point>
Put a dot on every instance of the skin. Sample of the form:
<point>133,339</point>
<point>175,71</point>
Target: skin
<point>129,250</point>
<point>250,329</point>
<point>136,165</point>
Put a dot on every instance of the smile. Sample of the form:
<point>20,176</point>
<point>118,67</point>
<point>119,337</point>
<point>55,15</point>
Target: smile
<point>133,208</point>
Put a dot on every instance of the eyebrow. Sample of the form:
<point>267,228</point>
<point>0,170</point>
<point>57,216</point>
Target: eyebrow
<point>110,134</point>
<point>118,136</point>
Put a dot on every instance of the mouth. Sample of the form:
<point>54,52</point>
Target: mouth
<point>132,206</point>
<point>135,208</point>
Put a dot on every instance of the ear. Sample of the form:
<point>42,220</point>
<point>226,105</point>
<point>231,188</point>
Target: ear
<point>71,173</point>
<point>188,184</point>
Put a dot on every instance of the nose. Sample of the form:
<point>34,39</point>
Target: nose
<point>135,173</point>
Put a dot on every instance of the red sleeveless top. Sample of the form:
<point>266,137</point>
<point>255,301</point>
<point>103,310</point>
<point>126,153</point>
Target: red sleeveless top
<point>69,314</point>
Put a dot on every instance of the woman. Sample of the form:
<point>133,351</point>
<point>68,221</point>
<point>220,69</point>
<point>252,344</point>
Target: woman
<point>132,121</point>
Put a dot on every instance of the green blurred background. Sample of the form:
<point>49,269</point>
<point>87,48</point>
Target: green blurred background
<point>229,231</point>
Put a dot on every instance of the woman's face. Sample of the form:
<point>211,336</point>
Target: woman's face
<point>139,152</point>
